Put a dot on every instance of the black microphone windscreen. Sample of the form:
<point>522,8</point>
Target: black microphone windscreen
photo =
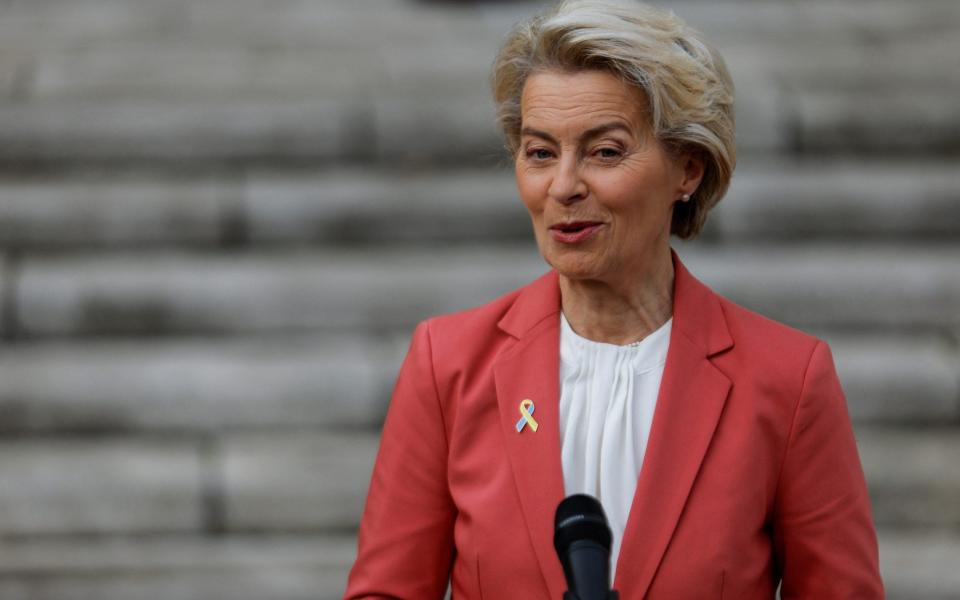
<point>580,517</point>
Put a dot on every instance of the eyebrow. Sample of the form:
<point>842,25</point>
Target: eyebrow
<point>590,133</point>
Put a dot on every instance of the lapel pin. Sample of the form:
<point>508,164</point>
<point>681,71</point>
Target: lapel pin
<point>526,409</point>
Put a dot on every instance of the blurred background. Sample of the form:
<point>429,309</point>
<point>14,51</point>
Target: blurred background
<point>220,220</point>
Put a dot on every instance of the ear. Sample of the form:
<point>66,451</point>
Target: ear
<point>692,168</point>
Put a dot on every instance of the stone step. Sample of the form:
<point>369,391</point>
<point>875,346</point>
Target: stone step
<point>854,286</point>
<point>174,72</point>
<point>920,60</point>
<point>840,200</point>
<point>181,133</point>
<point>863,199</point>
<point>898,380</point>
<point>119,209</point>
<point>915,565</point>
<point>288,482</point>
<point>246,293</point>
<point>177,70</point>
<point>325,23</point>
<point>315,481</point>
<point>334,382</point>
<point>295,482</point>
<point>914,475</point>
<point>181,67</point>
<point>859,121</point>
<point>425,129</point>
<point>236,567</point>
<point>146,485</point>
<point>433,128</point>
<point>101,486</point>
<point>920,564</point>
<point>232,82</point>
<point>48,26</point>
<point>777,201</point>
<point>198,386</point>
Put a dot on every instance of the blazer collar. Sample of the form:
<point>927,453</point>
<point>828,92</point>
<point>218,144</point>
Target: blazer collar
<point>692,395</point>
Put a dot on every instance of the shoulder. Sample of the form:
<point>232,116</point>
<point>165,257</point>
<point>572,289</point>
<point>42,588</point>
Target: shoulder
<point>751,328</point>
<point>740,335</point>
<point>775,355</point>
<point>468,335</point>
<point>476,319</point>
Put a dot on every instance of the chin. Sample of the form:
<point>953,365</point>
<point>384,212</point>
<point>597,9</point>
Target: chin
<point>575,268</point>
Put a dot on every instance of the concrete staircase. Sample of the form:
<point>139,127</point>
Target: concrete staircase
<point>220,220</point>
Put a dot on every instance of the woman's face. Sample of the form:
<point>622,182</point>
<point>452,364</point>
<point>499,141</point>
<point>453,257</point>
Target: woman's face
<point>599,188</point>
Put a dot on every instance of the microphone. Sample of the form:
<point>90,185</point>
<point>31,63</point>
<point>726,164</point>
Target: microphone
<point>582,540</point>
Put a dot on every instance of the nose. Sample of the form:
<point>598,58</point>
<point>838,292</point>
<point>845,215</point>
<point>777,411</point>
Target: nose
<point>567,185</point>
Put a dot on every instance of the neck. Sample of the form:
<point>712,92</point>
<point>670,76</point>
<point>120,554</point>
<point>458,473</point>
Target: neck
<point>620,311</point>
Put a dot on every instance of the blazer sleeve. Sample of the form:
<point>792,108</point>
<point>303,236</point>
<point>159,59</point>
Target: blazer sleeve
<point>405,543</point>
<point>824,537</point>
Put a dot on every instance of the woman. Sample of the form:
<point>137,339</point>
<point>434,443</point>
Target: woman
<point>718,441</point>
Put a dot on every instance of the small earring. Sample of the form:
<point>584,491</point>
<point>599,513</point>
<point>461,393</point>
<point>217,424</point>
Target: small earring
<point>685,198</point>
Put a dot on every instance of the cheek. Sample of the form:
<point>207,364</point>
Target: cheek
<point>531,192</point>
<point>635,198</point>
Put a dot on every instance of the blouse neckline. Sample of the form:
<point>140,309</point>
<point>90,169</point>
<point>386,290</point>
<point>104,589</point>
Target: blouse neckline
<point>641,355</point>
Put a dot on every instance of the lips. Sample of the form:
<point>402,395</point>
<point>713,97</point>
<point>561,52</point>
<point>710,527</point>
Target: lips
<point>575,231</point>
<point>574,226</point>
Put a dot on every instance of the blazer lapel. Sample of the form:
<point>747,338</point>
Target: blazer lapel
<point>530,370</point>
<point>691,399</point>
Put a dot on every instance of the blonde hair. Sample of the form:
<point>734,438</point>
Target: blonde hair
<point>685,81</point>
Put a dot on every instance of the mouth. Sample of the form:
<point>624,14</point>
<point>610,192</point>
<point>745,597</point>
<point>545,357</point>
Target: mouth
<point>575,226</point>
<point>574,232</point>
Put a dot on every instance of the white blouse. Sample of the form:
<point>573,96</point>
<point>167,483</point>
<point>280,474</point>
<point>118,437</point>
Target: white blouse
<point>607,397</point>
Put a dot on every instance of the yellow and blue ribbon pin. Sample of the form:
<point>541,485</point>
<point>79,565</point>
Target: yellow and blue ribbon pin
<point>526,409</point>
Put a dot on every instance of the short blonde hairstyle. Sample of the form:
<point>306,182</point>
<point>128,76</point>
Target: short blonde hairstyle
<point>685,81</point>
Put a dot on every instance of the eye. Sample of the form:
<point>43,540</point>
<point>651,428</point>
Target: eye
<point>608,152</point>
<point>539,153</point>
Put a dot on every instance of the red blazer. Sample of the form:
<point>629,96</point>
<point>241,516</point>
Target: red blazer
<point>751,472</point>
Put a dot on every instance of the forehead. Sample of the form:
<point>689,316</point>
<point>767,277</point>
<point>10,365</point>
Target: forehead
<point>561,99</point>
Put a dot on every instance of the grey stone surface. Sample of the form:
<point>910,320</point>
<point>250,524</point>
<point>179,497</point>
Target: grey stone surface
<point>920,564</point>
<point>65,486</point>
<point>178,132</point>
<point>855,286</point>
<point>438,129</point>
<point>922,60</point>
<point>891,121</point>
<point>177,568</point>
<point>11,73</point>
<point>196,386</point>
<point>414,78</point>
<point>761,113</point>
<point>865,285</point>
<point>440,66</point>
<point>913,475</point>
<point>375,207</point>
<point>898,379</point>
<point>780,23</point>
<point>296,482</point>
<point>169,293</point>
<point>161,69</point>
<point>841,199</point>
<point>108,209</point>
